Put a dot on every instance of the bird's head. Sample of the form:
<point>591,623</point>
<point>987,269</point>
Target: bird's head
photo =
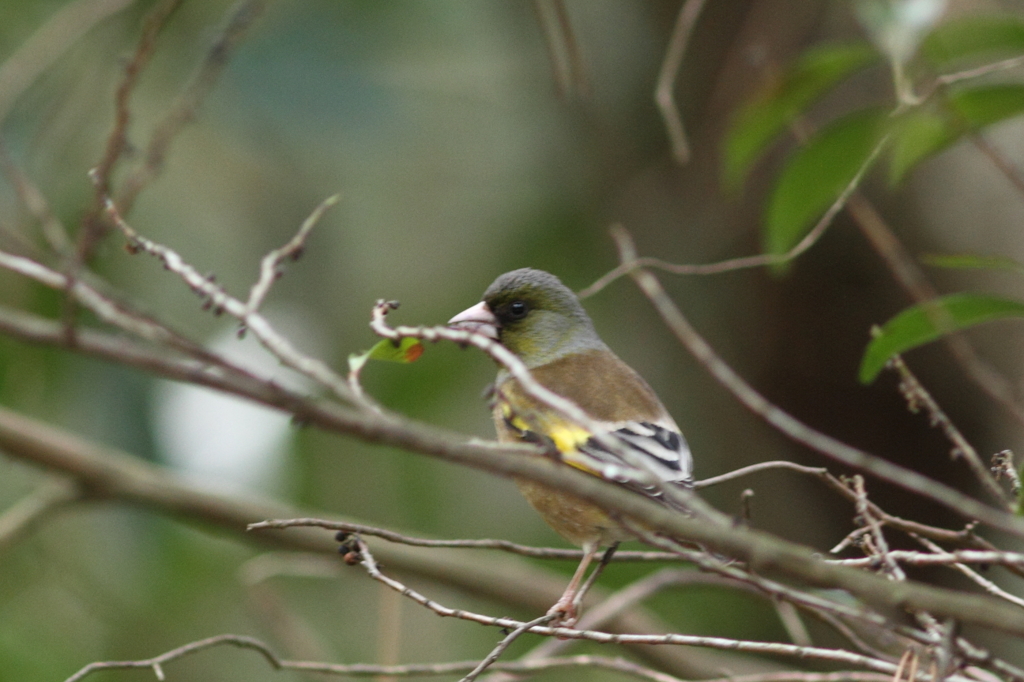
<point>534,315</point>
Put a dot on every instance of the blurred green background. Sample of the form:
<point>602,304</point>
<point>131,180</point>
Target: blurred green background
<point>441,125</point>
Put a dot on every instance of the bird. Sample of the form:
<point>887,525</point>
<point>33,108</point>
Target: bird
<point>543,323</point>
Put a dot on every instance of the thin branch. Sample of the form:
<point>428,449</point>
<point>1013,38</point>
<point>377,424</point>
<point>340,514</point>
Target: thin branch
<point>744,262</point>
<point>875,537</point>
<point>455,667</point>
<point>221,301</point>
<point>204,367</point>
<point>978,72</point>
<point>793,428</point>
<point>106,309</point>
<point>212,372</point>
<point>596,616</point>
<point>117,140</point>
<point>270,265</point>
<point>760,466</point>
<point>664,91</point>
<point>973,575</point>
<point>940,558</point>
<point>242,14</point>
<point>966,536</point>
<point>503,645</point>
<point>504,545</point>
<point>157,662</point>
<point>917,396</point>
<point>562,47</point>
<point>776,591</point>
<point>909,276</point>
<point>777,648</point>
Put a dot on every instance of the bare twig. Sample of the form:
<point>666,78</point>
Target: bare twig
<point>157,662</point>
<point>241,15</point>
<point>776,591</point>
<point>973,575</point>
<point>916,395</point>
<point>664,92</point>
<point>504,545</point>
<point>744,262</point>
<point>504,644</point>
<point>220,300</point>
<point>910,277</point>
<point>760,466</point>
<point>978,72</point>
<point>814,653</point>
<point>597,616</point>
<point>524,666</point>
<point>106,309</point>
<point>961,537</point>
<point>271,263</point>
<point>798,431</point>
<point>853,538</point>
<point>875,538</point>
<point>117,140</point>
<point>563,48</point>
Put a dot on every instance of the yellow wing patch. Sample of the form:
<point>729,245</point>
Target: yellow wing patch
<point>566,436</point>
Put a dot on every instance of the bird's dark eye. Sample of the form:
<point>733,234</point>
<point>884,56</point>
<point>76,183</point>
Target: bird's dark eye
<point>517,310</point>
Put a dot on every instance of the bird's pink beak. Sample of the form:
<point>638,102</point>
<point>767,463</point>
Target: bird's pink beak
<point>477,319</point>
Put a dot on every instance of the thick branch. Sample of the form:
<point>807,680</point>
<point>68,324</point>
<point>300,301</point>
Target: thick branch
<point>110,474</point>
<point>765,554</point>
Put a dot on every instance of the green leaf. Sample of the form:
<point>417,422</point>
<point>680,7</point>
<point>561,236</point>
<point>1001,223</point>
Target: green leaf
<point>773,109</point>
<point>972,261</point>
<point>922,133</point>
<point>816,174</point>
<point>926,322</point>
<point>984,106</point>
<point>406,350</point>
<point>917,135</point>
<point>974,37</point>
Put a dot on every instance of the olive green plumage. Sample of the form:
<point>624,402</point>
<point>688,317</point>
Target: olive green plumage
<point>554,323</point>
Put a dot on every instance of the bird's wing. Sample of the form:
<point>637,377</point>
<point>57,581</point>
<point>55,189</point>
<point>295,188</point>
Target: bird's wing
<point>660,446</point>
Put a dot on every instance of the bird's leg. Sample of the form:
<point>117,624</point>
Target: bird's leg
<point>565,609</point>
<point>605,560</point>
